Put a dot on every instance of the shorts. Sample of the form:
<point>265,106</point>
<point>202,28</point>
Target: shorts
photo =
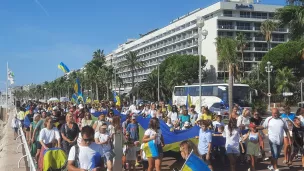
<point>232,150</point>
<point>145,164</point>
<point>275,150</point>
<point>16,130</point>
<point>205,160</point>
<point>109,156</point>
<point>38,145</point>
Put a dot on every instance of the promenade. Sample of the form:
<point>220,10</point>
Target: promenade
<point>8,156</point>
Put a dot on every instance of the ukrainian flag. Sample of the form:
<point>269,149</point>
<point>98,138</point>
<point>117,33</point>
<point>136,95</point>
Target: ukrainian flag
<point>194,163</point>
<point>63,67</point>
<point>188,101</point>
<point>116,98</point>
<point>77,87</point>
<point>150,149</point>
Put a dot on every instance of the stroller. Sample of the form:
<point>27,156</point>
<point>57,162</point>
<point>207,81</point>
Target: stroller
<point>54,159</point>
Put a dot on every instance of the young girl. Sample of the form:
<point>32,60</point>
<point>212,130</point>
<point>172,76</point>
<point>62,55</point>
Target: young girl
<point>287,146</point>
<point>130,151</point>
<point>253,146</point>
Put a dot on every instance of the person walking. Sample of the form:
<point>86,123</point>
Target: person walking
<point>276,128</point>
<point>69,133</point>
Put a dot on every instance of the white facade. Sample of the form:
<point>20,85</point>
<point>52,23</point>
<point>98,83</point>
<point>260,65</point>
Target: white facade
<point>179,37</point>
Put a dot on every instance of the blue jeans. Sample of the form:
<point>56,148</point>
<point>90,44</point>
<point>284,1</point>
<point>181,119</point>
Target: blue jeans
<point>275,150</point>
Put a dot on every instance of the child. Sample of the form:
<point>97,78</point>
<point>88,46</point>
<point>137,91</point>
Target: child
<point>253,146</point>
<point>169,124</point>
<point>218,122</point>
<point>220,151</point>
<point>186,125</point>
<point>176,125</point>
<point>133,134</point>
<point>104,139</point>
<point>144,159</point>
<point>130,151</point>
<point>287,146</point>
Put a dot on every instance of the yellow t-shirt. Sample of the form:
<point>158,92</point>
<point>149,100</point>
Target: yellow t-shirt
<point>21,115</point>
<point>207,116</point>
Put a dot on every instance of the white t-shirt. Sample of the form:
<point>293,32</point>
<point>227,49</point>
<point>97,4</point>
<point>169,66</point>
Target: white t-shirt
<point>216,124</point>
<point>173,116</point>
<point>102,138</point>
<point>232,140</point>
<point>275,128</point>
<point>86,153</point>
<point>49,135</point>
<point>143,154</point>
<point>241,120</point>
<point>151,132</point>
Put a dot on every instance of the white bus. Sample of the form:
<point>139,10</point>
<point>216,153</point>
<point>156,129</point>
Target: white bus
<point>212,94</point>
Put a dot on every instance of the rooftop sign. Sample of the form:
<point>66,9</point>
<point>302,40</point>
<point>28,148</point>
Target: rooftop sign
<point>242,6</point>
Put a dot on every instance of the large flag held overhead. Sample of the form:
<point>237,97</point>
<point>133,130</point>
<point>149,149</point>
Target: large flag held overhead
<point>78,91</point>
<point>63,67</point>
<point>188,101</point>
<point>194,163</point>
<point>10,76</point>
<point>116,98</point>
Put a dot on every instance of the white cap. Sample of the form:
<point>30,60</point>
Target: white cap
<point>80,106</point>
<point>55,108</point>
<point>187,123</point>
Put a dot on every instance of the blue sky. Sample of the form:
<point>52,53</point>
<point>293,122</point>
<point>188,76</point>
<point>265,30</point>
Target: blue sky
<point>37,35</point>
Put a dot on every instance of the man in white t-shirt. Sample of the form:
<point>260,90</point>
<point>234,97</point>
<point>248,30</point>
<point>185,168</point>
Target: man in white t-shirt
<point>276,127</point>
<point>86,156</point>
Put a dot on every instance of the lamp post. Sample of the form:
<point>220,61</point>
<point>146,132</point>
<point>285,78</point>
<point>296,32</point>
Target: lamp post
<point>202,34</point>
<point>302,101</point>
<point>269,69</point>
<point>158,98</point>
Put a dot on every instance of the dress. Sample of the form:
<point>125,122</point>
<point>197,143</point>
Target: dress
<point>118,144</point>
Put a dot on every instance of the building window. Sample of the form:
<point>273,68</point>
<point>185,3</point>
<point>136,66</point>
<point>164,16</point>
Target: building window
<point>243,26</point>
<point>245,14</point>
<point>278,37</point>
<point>271,15</point>
<point>227,13</point>
<point>225,25</point>
<point>260,15</point>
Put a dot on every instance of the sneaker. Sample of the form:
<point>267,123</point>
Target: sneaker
<point>270,167</point>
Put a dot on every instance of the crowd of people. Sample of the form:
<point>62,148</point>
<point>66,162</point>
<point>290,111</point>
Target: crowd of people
<point>106,143</point>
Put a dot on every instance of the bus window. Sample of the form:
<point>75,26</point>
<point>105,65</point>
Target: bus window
<point>193,91</point>
<point>180,91</point>
<point>207,90</point>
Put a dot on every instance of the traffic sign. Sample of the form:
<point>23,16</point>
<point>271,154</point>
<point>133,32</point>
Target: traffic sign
<point>287,94</point>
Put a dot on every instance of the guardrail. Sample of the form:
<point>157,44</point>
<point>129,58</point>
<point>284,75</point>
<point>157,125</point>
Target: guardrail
<point>23,143</point>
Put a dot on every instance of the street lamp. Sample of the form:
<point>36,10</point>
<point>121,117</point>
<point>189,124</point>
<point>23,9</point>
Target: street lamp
<point>269,69</point>
<point>302,101</point>
<point>158,98</point>
<point>202,34</point>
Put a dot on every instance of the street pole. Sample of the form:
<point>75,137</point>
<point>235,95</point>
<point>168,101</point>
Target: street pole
<point>302,93</point>
<point>158,98</point>
<point>200,24</point>
<point>258,72</point>
<point>6,89</point>
<point>269,69</point>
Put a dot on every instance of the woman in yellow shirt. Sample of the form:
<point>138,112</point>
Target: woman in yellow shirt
<point>207,115</point>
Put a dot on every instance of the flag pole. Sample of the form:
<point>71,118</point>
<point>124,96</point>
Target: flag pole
<point>6,90</point>
<point>187,159</point>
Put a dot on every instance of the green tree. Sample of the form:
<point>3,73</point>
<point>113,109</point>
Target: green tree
<point>226,51</point>
<point>133,63</point>
<point>241,44</point>
<point>284,55</point>
<point>267,27</point>
<point>285,80</point>
<point>292,16</point>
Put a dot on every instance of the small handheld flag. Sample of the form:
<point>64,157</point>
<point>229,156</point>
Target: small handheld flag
<point>150,149</point>
<point>63,67</point>
<point>188,101</point>
<point>116,98</point>
<point>194,163</point>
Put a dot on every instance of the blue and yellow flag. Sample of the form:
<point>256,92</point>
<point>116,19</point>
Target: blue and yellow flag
<point>188,101</point>
<point>77,87</point>
<point>150,149</point>
<point>116,98</point>
<point>194,163</point>
<point>169,105</point>
<point>63,67</point>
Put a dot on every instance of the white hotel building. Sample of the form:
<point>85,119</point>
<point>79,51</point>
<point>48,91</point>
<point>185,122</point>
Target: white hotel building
<point>180,37</point>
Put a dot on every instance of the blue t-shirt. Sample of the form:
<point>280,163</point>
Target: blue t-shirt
<point>184,118</point>
<point>132,129</point>
<point>205,137</point>
<point>290,117</point>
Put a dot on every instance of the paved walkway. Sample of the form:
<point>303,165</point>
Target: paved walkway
<point>8,156</point>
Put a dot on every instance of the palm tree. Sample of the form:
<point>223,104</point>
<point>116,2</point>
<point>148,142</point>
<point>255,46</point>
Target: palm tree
<point>293,17</point>
<point>267,27</point>
<point>226,51</point>
<point>241,44</point>
<point>285,80</point>
<point>98,54</point>
<point>132,62</point>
